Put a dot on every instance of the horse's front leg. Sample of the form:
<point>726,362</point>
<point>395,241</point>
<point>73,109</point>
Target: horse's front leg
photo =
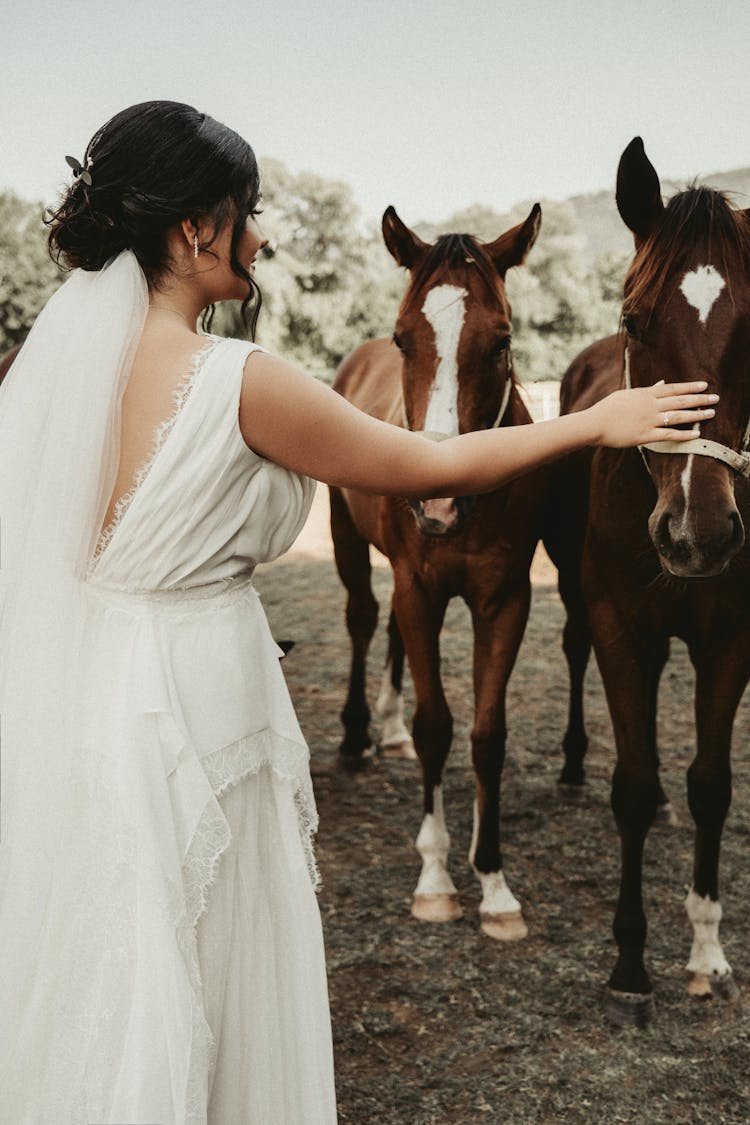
<point>577,649</point>
<point>564,531</point>
<point>352,554</point>
<point>419,615</point>
<point>630,674</point>
<point>395,739</point>
<point>722,674</point>
<point>497,637</point>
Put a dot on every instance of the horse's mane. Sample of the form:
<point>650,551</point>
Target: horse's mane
<point>699,216</point>
<point>452,251</point>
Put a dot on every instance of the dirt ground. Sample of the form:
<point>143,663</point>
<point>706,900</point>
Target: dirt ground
<point>440,1025</point>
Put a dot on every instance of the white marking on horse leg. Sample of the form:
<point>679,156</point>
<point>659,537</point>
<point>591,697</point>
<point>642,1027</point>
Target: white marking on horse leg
<point>497,897</point>
<point>390,709</point>
<point>701,288</point>
<point>499,910</point>
<point>444,309</point>
<point>474,835</point>
<point>433,843</point>
<point>706,956</point>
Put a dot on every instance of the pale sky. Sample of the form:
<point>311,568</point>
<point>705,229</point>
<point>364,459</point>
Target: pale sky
<point>431,105</point>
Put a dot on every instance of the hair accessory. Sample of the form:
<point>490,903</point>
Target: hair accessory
<point>195,245</point>
<point>78,170</point>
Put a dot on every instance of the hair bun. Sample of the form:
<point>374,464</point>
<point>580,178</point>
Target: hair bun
<point>146,170</point>
<point>82,235</point>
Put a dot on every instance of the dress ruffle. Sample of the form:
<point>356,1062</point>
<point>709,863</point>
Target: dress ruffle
<point>143,837</point>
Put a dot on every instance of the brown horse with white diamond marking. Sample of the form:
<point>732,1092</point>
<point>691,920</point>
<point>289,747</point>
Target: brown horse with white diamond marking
<point>664,552</point>
<point>447,370</point>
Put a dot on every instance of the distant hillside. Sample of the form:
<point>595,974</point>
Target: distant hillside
<point>593,217</point>
<point>603,230</point>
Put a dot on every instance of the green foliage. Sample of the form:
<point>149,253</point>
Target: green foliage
<point>327,283</point>
<point>28,276</point>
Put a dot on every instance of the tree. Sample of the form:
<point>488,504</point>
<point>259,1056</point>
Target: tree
<point>28,276</point>
<point>327,283</point>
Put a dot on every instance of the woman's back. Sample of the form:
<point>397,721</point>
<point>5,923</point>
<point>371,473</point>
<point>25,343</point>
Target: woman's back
<point>193,504</point>
<point>161,366</point>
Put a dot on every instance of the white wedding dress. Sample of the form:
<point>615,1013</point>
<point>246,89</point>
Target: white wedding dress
<point>179,977</point>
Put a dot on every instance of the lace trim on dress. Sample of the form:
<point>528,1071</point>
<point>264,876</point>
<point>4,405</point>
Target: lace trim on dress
<point>224,769</point>
<point>179,398</point>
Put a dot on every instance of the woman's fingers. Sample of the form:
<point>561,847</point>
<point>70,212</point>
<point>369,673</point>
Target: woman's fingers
<point>682,404</point>
<point>666,390</point>
<point>685,402</point>
<point>673,418</point>
<point>667,434</point>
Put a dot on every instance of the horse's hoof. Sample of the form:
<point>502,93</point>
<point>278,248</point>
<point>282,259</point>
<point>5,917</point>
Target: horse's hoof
<point>628,1009</point>
<point>504,927</point>
<point>437,908</point>
<point>354,763</point>
<point>665,816</point>
<point>711,986</point>
<point>403,750</point>
<point>570,790</point>
<point>354,747</point>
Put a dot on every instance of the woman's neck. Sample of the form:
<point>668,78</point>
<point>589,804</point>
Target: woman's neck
<point>157,310</point>
<point>173,300</point>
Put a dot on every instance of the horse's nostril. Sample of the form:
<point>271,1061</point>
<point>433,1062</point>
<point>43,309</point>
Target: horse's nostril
<point>737,532</point>
<point>664,530</point>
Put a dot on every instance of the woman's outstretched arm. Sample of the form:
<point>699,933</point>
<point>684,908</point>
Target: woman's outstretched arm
<point>291,418</point>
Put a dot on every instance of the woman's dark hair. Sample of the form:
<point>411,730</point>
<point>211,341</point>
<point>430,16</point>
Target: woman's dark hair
<point>152,166</point>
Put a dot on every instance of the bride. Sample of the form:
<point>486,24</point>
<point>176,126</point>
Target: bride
<point>161,954</point>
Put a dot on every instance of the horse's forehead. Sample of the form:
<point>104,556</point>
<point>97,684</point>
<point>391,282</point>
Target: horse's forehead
<point>461,303</point>
<point>701,287</point>
<point>444,302</point>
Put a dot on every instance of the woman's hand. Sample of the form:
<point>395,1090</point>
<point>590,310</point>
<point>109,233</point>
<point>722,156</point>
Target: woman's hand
<point>646,414</point>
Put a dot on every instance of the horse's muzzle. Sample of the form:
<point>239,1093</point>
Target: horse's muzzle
<point>441,517</point>
<point>685,554</point>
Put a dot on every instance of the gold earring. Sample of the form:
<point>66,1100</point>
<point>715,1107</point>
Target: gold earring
<point>195,245</point>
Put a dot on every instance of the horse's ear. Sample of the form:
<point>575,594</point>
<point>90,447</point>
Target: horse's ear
<point>638,191</point>
<point>511,248</point>
<point>403,244</point>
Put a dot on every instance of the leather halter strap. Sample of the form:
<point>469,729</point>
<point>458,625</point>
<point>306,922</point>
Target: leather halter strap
<point>737,460</point>
<point>434,435</point>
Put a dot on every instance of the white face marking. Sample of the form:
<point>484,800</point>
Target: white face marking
<point>706,956</point>
<point>701,288</point>
<point>444,309</point>
<point>685,482</point>
<point>433,843</point>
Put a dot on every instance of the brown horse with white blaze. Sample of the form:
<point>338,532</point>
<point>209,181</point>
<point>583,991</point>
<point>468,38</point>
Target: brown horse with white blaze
<point>447,370</point>
<point>665,552</point>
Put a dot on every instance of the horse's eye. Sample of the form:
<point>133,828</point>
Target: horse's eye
<point>630,326</point>
<point>397,341</point>
<point>502,346</point>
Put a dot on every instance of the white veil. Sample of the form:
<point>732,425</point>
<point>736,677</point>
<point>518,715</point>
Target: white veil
<point>59,451</point>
